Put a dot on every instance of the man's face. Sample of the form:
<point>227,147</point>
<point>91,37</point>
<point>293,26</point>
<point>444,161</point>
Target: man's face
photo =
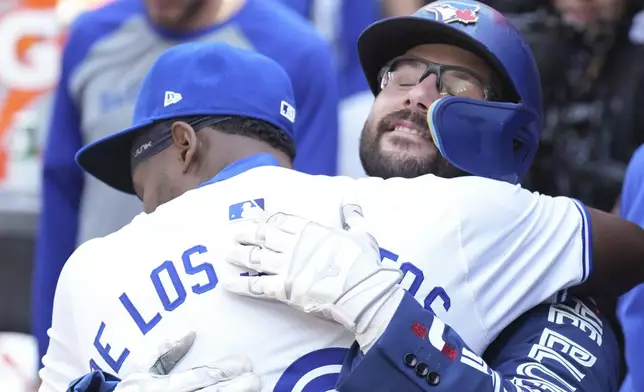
<point>173,14</point>
<point>395,140</point>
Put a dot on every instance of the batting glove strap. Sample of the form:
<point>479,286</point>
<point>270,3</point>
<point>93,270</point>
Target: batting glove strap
<point>356,308</point>
<point>378,317</point>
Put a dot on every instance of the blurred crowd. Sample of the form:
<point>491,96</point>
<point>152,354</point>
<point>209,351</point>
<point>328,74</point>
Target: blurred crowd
<point>590,54</point>
<point>590,57</point>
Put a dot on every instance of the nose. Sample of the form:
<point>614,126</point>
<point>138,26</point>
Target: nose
<point>422,95</point>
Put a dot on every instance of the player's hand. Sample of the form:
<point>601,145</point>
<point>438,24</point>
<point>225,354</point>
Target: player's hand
<point>230,374</point>
<point>333,273</point>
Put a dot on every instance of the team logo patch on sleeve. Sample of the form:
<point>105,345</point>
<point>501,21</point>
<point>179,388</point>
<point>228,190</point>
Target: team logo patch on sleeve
<point>244,209</point>
<point>454,11</point>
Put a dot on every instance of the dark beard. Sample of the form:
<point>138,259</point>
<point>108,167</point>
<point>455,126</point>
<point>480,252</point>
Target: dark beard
<point>378,164</point>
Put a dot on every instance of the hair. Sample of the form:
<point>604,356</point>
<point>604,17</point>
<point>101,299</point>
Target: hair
<point>238,125</point>
<point>258,130</point>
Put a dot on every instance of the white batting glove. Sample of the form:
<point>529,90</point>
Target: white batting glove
<point>332,273</point>
<point>230,374</point>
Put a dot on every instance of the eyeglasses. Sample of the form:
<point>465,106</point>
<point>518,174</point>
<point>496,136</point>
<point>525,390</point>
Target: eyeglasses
<point>405,72</point>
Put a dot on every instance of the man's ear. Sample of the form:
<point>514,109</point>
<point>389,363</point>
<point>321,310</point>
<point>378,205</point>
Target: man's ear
<point>184,138</point>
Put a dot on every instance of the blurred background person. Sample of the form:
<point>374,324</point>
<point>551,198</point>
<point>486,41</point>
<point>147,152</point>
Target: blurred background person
<point>590,55</point>
<point>401,7</point>
<point>107,53</point>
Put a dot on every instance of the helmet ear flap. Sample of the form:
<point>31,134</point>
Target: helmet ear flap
<point>526,146</point>
<point>484,138</point>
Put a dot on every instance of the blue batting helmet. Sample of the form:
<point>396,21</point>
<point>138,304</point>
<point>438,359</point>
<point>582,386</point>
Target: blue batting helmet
<point>494,139</point>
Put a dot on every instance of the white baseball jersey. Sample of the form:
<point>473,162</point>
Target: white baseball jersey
<point>477,252</point>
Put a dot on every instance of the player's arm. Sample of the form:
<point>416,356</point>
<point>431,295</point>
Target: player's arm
<point>569,345</point>
<point>617,256</point>
<point>550,242</point>
<point>316,135</point>
<point>417,352</point>
<point>62,184</point>
<point>363,296</point>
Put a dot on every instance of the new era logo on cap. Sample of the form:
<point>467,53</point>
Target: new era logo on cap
<point>288,111</point>
<point>171,98</point>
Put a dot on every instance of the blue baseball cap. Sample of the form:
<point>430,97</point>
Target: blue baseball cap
<point>195,79</point>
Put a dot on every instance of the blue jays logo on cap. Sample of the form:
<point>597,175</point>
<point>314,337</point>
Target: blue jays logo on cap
<point>453,11</point>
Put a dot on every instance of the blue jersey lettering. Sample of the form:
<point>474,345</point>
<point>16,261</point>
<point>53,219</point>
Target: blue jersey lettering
<point>418,278</point>
<point>162,292</point>
<point>171,296</point>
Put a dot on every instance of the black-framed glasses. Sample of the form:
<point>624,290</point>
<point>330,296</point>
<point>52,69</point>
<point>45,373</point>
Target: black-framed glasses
<point>405,72</point>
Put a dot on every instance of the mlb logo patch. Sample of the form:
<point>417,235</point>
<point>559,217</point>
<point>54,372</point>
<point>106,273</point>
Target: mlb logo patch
<point>287,111</point>
<point>454,11</point>
<point>244,209</point>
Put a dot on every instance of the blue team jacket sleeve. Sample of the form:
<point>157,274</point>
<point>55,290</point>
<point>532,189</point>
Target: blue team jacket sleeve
<point>61,192</point>
<point>316,94</point>
<point>563,347</point>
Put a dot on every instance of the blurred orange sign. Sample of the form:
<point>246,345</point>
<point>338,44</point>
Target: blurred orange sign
<point>29,68</point>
